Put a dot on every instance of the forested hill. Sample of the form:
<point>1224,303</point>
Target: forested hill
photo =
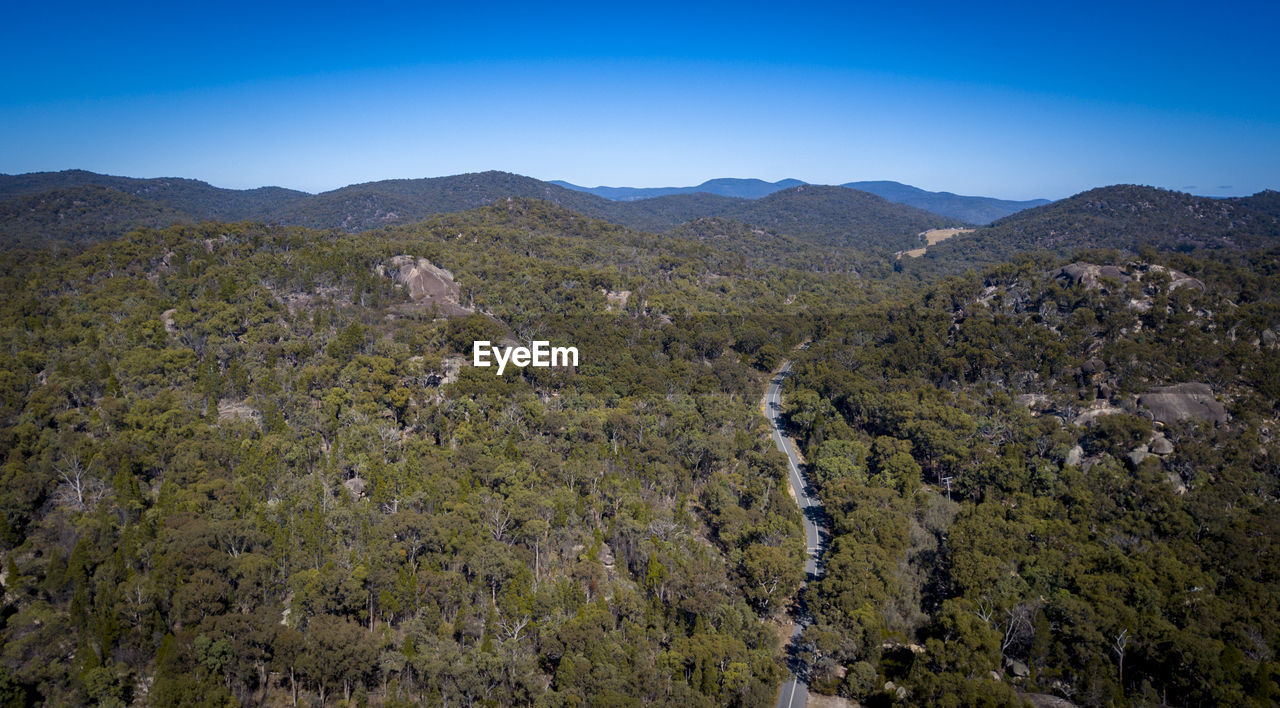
<point>194,199</point>
<point>80,214</point>
<point>1125,217</point>
<point>839,216</point>
<point>353,208</point>
<point>832,216</point>
<point>361,207</point>
<point>1267,202</point>
<point>974,210</point>
<point>828,215</point>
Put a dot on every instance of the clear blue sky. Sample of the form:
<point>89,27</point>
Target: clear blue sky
<point>1015,100</point>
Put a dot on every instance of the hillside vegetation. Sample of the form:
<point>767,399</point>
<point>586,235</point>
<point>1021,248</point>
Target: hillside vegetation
<point>1124,217</point>
<point>83,214</point>
<point>1055,478</point>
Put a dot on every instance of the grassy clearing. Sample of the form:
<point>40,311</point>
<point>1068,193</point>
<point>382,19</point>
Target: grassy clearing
<point>931,237</point>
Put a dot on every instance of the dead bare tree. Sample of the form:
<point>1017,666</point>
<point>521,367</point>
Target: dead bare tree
<point>498,516</point>
<point>1118,646</point>
<point>1017,627</point>
<point>513,627</point>
<point>78,488</point>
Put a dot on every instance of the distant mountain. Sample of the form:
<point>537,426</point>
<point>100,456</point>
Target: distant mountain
<point>196,199</point>
<point>839,216</point>
<point>1124,217</point>
<point>354,208</point>
<point>365,206</point>
<point>825,215</point>
<point>974,210</point>
<point>82,213</point>
<point>724,186</point>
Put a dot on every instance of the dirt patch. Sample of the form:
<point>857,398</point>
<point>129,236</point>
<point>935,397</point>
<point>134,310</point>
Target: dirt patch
<point>932,237</point>
<point>821,701</point>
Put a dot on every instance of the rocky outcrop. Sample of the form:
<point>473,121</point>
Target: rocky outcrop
<point>616,299</point>
<point>1138,455</point>
<point>1035,402</point>
<point>1096,277</point>
<point>450,367</point>
<point>1160,445</point>
<point>238,410</point>
<point>1183,401</point>
<point>1090,416</point>
<point>355,486</point>
<point>427,284</point>
<point>1091,275</point>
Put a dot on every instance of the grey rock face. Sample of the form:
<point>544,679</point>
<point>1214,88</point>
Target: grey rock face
<point>1182,401</point>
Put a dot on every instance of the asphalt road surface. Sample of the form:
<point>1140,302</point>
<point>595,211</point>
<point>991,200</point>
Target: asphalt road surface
<point>795,691</point>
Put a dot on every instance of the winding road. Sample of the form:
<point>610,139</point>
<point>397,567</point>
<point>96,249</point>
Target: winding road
<point>795,691</point>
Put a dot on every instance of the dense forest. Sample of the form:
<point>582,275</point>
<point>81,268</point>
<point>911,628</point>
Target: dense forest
<point>1058,477</point>
<point>250,464</point>
<point>242,463</point>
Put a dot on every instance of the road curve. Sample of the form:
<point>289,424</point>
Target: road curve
<point>795,691</point>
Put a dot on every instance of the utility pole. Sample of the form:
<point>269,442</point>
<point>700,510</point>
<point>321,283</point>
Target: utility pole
<point>947,480</point>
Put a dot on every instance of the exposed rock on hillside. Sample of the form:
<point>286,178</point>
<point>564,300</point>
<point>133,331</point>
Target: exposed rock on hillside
<point>355,486</point>
<point>428,285</point>
<point>1181,401</point>
<point>1160,445</point>
<point>1091,275</point>
<point>616,299</point>
<point>1095,277</point>
<point>238,410</point>
<point>1100,409</point>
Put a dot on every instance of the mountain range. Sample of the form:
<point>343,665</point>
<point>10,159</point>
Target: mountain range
<point>77,205</point>
<point>972,210</point>
<point>724,186</point>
